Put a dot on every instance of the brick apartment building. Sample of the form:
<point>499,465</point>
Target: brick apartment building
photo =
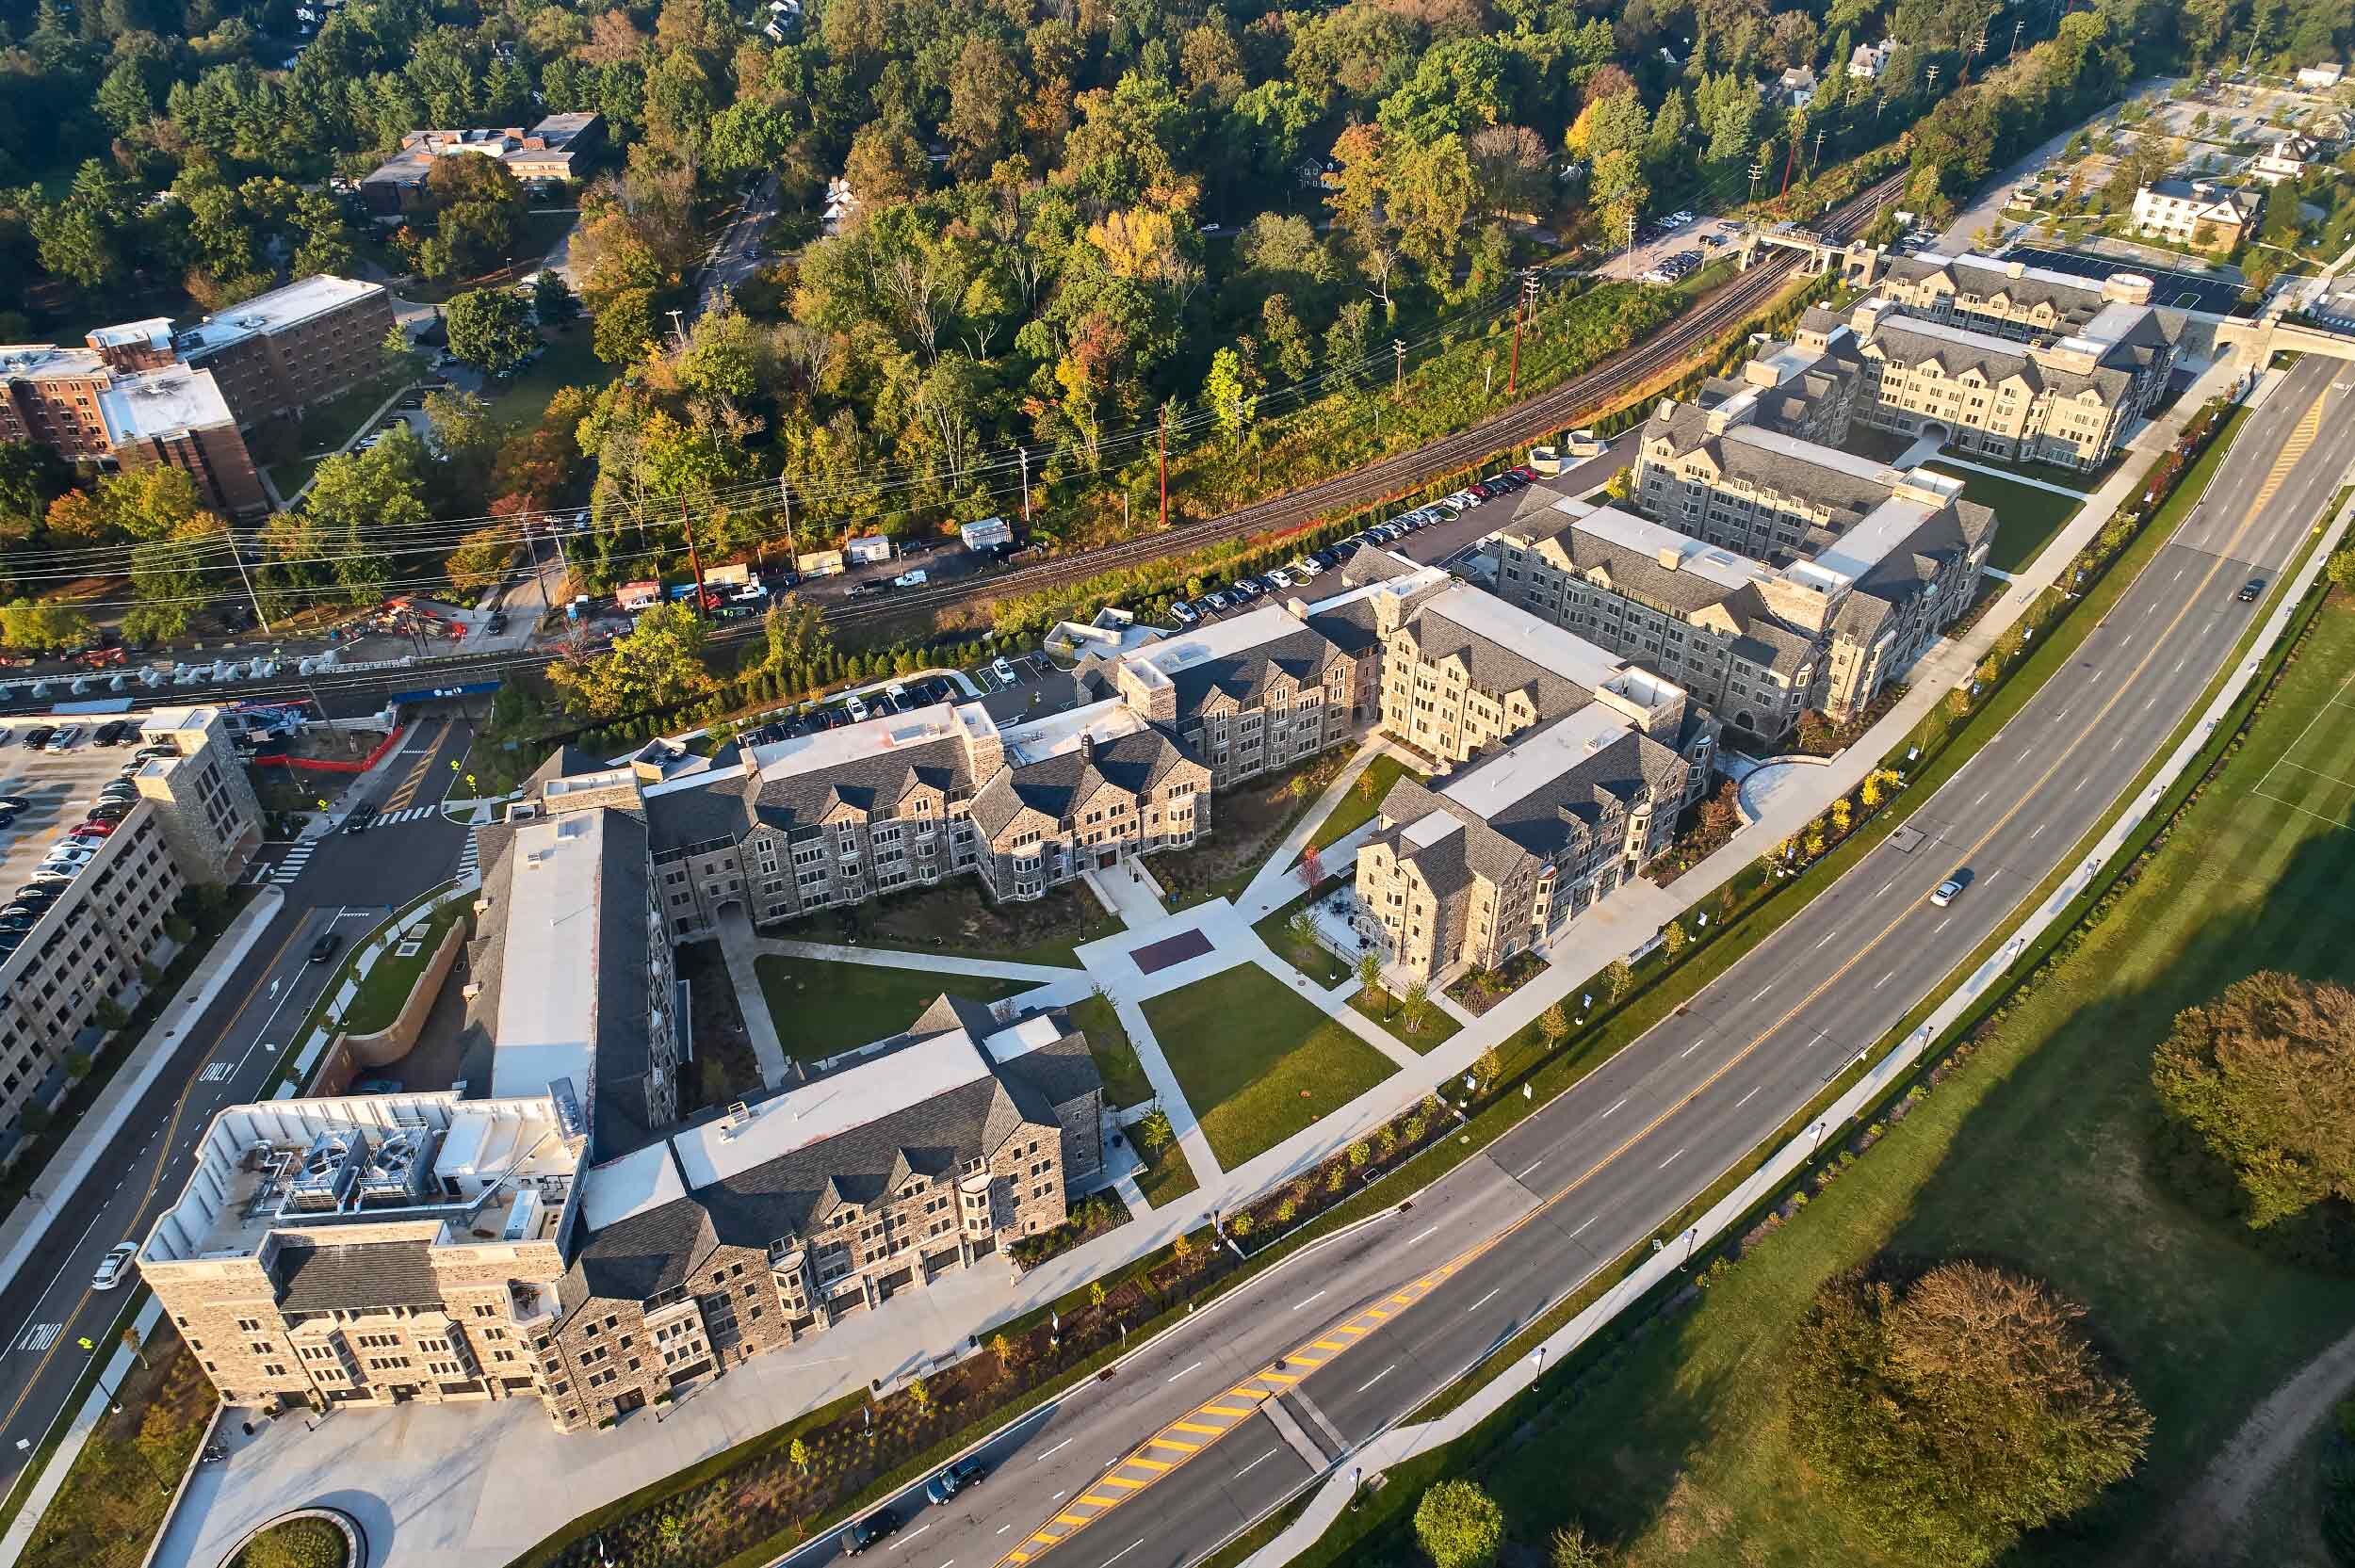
<point>142,392</point>
<point>557,151</point>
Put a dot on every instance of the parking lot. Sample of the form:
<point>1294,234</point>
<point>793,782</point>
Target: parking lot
<point>58,789</point>
<point>1656,242</point>
<point>914,691</point>
<point>2190,291</point>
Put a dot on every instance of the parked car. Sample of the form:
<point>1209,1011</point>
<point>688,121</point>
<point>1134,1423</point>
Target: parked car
<point>751,593</point>
<point>67,852</point>
<point>1184,614</point>
<point>115,1266</point>
<point>857,1537</point>
<point>955,1479</point>
<point>37,736</point>
<point>857,706</point>
<point>93,829</point>
<point>7,815</point>
<point>917,578</point>
<point>112,732</point>
<point>324,948</point>
<point>860,591</point>
<point>1004,671</point>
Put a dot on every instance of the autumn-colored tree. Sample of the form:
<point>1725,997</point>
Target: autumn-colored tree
<point>657,667</point>
<point>1956,1410</point>
<point>1312,865</point>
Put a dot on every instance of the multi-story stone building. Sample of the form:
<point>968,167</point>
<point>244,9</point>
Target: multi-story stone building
<point>1257,691</point>
<point>2072,400</point>
<point>2008,299</point>
<point>196,821</point>
<point>382,1249</point>
<point>1759,643</point>
<point>1491,862</point>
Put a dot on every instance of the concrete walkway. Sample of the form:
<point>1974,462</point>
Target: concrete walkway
<point>738,945</point>
<point>901,958</point>
<point>1993,472</point>
<point>1125,892</point>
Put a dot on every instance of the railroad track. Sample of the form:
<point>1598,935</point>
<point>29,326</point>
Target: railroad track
<point>1543,413</point>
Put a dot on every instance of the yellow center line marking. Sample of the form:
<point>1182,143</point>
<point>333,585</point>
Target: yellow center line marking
<point>1197,1425</point>
<point>1224,1410</point>
<point>1122,1480</point>
<point>1279,1376</point>
<point>1094,1501</point>
<point>1173,1444</point>
<point>1153,1464</point>
<point>1330,1344</point>
<point>1069,1519</point>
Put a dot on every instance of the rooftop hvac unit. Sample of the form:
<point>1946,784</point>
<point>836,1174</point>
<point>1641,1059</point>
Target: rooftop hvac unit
<point>327,1173</point>
<point>397,1175</point>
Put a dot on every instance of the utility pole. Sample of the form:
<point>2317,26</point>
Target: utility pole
<point>1529,293</point>
<point>238,555</point>
<point>678,329</point>
<point>1789,160</point>
<point>694,562</point>
<point>1931,81</point>
<point>2017,27</point>
<point>1164,465</point>
<point>785,500</point>
<point>1816,161</point>
<point>1398,373</point>
<point>1758,172</point>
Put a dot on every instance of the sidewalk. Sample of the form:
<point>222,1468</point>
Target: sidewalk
<point>737,946</point>
<point>74,1160</point>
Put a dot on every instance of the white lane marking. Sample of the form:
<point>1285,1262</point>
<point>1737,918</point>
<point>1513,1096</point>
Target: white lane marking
<point>1118,1555</point>
<point>1261,1459</point>
<point>1763,990</point>
<point>1745,1099</point>
<point>1622,1101</point>
<point>1419,1234</point>
<point>1670,1160</point>
<point>910,1536</point>
<point>1886,886</point>
<point>1056,1449</point>
<point>1941,924</point>
<point>1825,937</point>
<point>1174,1376</point>
<point>1531,1166</point>
<point>1482,1301</point>
<point>1003,1529</point>
<point>1884,979</point>
<point>1377,1377</point>
<point>1296,1306</point>
<point>1588,1221</point>
<point>1983,795</point>
<point>1689,1050</point>
<point>2037,829</point>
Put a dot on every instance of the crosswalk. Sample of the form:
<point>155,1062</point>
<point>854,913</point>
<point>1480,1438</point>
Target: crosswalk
<point>469,857</point>
<point>296,858</point>
<point>394,819</point>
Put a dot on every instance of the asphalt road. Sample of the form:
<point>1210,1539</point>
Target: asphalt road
<point>347,885</point>
<point>1593,1172</point>
<point>737,255</point>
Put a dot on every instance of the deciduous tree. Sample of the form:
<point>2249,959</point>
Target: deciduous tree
<point>491,330</point>
<point>1459,1526</point>
<point>658,666</point>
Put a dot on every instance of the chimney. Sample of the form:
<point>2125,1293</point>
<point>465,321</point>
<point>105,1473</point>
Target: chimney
<point>2015,269</point>
<point>1087,745</point>
<point>1671,557</point>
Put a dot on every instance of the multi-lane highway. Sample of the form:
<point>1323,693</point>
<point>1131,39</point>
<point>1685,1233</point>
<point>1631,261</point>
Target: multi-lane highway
<point>349,883</point>
<point>1371,1325</point>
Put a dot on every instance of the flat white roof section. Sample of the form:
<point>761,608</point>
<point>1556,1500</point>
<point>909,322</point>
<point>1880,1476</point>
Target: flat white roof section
<point>1220,638</point>
<point>1536,760</point>
<point>163,403</point>
<point>611,1192</point>
<point>828,1107</point>
<point>1033,1033</point>
<point>154,333</point>
<point>1428,830</point>
<point>276,311</point>
<point>1830,458</point>
<point>1541,642</point>
<point>868,738</point>
<point>1057,734</point>
<point>1865,546</point>
<point>1709,563</point>
<point>547,1020</point>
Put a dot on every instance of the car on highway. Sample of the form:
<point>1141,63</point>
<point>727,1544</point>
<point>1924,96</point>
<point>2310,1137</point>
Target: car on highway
<point>115,1266</point>
<point>2251,591</point>
<point>1951,889</point>
<point>964,1473</point>
<point>864,1532</point>
<point>324,948</point>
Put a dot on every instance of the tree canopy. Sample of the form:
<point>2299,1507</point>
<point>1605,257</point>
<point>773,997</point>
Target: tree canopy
<point>1959,1409</point>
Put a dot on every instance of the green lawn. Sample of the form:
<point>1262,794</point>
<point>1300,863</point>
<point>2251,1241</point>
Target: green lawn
<point>1359,804</point>
<point>2026,516</point>
<point>821,1009</point>
<point>1438,1025</point>
<point>388,984</point>
<point>1305,953</point>
<point>566,359</point>
<point>2038,1154</point>
<point>1257,1062</point>
<point>1125,1083</point>
<point>958,916</point>
<point>1168,1175</point>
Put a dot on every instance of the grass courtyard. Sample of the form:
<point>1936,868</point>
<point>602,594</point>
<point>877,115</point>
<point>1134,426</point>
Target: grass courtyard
<point>821,1009</point>
<point>1125,1083</point>
<point>1435,1028</point>
<point>382,993</point>
<point>2040,1153</point>
<point>1303,952</point>
<point>1257,1062</point>
<point>958,917</point>
<point>1364,799</point>
<point>2026,516</point>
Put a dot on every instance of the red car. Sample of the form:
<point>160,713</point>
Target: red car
<point>93,829</point>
